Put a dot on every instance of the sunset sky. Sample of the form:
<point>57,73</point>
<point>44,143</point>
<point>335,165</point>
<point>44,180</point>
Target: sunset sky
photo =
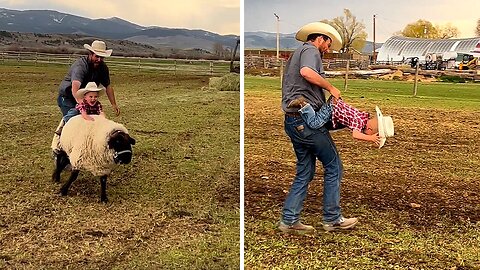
<point>217,16</point>
<point>391,16</point>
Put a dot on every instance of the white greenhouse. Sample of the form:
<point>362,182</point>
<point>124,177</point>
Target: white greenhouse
<point>398,49</point>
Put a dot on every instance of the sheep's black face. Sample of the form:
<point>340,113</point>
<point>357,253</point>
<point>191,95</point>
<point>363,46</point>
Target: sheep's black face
<point>122,143</point>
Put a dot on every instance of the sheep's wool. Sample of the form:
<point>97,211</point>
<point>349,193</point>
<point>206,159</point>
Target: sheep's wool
<point>86,143</point>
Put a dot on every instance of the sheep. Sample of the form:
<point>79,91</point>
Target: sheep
<point>96,146</point>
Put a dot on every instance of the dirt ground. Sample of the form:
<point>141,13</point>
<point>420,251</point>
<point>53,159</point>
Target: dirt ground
<point>428,172</point>
<point>175,206</point>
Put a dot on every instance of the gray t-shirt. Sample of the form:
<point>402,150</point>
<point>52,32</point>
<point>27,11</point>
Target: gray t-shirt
<point>84,72</point>
<point>295,85</point>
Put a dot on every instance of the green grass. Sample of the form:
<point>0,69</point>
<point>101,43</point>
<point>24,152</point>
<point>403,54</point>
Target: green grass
<point>429,95</point>
<point>432,160</point>
<point>176,206</point>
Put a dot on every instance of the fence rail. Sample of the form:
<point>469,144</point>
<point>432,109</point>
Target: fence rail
<point>174,66</point>
<point>268,62</point>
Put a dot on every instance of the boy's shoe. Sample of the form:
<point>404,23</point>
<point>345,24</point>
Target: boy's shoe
<point>296,228</point>
<point>55,144</point>
<point>342,224</point>
<point>298,102</point>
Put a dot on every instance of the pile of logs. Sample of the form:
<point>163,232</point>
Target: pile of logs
<point>406,71</point>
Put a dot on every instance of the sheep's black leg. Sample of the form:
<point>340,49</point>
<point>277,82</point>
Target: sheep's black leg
<point>72,178</point>
<point>103,183</point>
<point>61,161</point>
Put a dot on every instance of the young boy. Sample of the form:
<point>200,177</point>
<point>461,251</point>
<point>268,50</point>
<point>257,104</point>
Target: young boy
<point>340,114</point>
<point>89,105</point>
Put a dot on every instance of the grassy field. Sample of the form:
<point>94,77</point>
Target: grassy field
<point>417,198</point>
<point>176,206</point>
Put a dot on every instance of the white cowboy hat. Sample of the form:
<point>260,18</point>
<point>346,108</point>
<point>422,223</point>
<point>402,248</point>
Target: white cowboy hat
<point>385,126</point>
<point>320,28</point>
<point>99,48</point>
<point>90,87</point>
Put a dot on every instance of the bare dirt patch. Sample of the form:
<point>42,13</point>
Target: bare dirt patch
<point>427,172</point>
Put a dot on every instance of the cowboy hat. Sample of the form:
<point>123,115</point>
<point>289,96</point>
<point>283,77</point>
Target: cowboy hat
<point>385,126</point>
<point>90,87</point>
<point>99,48</point>
<point>320,28</point>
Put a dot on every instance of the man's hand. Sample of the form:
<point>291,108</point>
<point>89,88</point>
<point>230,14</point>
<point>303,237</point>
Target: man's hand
<point>116,110</point>
<point>334,92</point>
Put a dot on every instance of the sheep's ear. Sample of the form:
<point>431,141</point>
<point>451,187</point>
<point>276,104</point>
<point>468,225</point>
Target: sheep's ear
<point>131,140</point>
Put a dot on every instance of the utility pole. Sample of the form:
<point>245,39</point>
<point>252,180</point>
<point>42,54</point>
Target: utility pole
<point>373,53</point>
<point>278,35</point>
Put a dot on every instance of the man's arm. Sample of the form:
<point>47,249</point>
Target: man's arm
<point>313,77</point>
<point>75,87</point>
<point>111,98</point>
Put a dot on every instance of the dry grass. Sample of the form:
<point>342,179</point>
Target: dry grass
<point>416,198</point>
<point>176,206</point>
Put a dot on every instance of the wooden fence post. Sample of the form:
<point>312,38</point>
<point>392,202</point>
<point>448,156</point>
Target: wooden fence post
<point>415,81</point>
<point>211,68</point>
<point>139,65</point>
<point>281,73</point>
<point>36,58</point>
<point>346,75</point>
<point>175,68</point>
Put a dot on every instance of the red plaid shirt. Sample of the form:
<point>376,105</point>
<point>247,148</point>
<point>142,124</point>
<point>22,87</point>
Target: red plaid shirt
<point>348,116</point>
<point>89,109</point>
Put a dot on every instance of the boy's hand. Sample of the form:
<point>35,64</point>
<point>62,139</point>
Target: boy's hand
<point>375,138</point>
<point>88,117</point>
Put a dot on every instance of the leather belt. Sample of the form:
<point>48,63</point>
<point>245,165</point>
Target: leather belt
<point>292,114</point>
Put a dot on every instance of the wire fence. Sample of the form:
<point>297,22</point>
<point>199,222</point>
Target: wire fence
<point>173,66</point>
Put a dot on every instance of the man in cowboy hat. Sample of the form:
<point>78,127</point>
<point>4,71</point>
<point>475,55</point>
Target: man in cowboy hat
<point>304,76</point>
<point>89,68</point>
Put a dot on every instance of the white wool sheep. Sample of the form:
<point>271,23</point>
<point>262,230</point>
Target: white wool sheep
<point>96,146</point>
<point>86,143</point>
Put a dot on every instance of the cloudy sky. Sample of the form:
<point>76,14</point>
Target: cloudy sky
<point>391,16</point>
<point>217,16</point>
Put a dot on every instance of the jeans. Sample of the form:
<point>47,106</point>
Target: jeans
<point>316,120</point>
<point>310,144</point>
<point>67,106</point>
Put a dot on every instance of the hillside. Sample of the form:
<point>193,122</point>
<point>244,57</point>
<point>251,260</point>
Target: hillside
<point>44,27</point>
<point>260,40</point>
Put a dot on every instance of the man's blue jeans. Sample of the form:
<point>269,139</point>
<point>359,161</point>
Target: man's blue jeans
<point>310,145</point>
<point>67,106</point>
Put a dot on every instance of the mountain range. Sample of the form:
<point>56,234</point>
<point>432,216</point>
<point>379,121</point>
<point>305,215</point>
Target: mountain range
<point>265,40</point>
<point>54,22</point>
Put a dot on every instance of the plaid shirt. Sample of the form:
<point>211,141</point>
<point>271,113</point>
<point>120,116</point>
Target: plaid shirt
<point>89,109</point>
<point>348,116</point>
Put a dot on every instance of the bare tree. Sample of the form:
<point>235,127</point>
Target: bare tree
<point>218,49</point>
<point>447,31</point>
<point>350,29</point>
